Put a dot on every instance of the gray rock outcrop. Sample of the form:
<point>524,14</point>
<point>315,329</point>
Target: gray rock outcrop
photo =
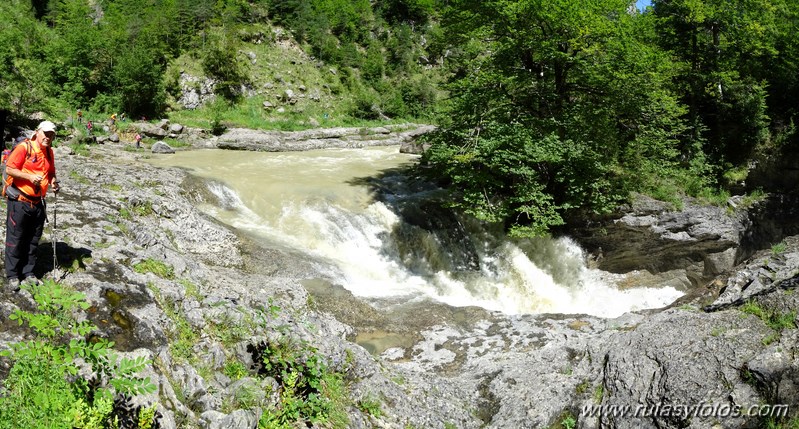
<point>161,147</point>
<point>277,141</point>
<point>195,91</point>
<point>653,236</point>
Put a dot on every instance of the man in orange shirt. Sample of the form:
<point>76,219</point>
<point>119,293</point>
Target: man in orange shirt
<point>31,171</point>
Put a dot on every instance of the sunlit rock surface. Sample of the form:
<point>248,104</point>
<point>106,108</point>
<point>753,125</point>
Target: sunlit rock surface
<point>442,367</point>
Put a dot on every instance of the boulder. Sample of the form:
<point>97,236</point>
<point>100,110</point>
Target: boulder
<point>151,130</point>
<point>652,235</point>
<point>289,97</point>
<point>414,147</point>
<point>195,91</point>
<point>175,129</point>
<point>161,147</point>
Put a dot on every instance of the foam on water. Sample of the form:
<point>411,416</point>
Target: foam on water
<point>312,203</point>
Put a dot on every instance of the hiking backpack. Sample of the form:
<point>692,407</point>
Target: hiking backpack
<point>9,190</point>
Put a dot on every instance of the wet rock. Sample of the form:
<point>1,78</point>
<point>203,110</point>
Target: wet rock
<point>413,147</point>
<point>765,273</point>
<point>718,263</point>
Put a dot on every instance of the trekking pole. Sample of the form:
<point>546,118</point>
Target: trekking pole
<point>55,258</point>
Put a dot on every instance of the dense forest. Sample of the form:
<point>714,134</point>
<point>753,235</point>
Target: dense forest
<point>546,109</point>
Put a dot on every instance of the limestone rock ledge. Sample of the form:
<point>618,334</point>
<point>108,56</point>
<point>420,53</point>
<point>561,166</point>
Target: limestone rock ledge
<point>493,370</point>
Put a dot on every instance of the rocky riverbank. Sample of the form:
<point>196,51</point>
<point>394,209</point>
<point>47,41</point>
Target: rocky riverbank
<point>224,297</point>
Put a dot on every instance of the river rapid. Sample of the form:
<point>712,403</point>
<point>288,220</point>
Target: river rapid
<point>324,205</point>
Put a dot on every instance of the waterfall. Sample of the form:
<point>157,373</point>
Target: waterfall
<point>382,235</point>
<point>375,254</point>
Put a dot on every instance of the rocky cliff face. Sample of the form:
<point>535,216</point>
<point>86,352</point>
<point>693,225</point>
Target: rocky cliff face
<point>464,368</point>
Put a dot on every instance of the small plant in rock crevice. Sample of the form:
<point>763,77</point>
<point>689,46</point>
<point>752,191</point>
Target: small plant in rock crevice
<point>144,208</point>
<point>566,420</point>
<point>190,289</point>
<point>779,248</point>
<point>234,369</point>
<point>309,390</point>
<point>76,176</point>
<point>775,320</point>
<point>371,406</point>
<point>182,336</point>
<point>158,268</point>
<point>599,393</point>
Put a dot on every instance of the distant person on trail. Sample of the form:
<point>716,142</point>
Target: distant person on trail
<point>122,117</point>
<point>31,171</point>
<point>89,126</point>
<point>113,119</point>
<point>138,140</point>
<point>80,116</point>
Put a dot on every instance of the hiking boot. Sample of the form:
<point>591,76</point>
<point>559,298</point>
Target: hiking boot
<point>13,285</point>
<point>31,280</point>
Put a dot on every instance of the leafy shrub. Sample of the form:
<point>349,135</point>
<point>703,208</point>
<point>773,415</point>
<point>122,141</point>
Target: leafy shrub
<point>218,109</point>
<point>309,390</point>
<point>220,61</point>
<point>43,389</point>
<point>365,104</point>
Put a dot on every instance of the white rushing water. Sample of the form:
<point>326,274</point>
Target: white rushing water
<point>313,202</point>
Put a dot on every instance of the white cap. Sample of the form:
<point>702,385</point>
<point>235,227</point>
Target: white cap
<point>46,126</point>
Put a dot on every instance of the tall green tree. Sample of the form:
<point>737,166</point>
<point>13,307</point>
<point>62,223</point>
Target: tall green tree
<point>220,60</point>
<point>721,44</point>
<point>548,98</point>
<point>417,12</point>
<point>779,71</point>
<point>138,76</point>
<point>81,57</point>
<point>24,73</point>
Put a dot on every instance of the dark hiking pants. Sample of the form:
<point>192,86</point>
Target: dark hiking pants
<point>24,226</point>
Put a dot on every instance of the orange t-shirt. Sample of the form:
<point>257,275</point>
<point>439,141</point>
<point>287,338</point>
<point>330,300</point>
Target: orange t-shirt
<point>39,162</point>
